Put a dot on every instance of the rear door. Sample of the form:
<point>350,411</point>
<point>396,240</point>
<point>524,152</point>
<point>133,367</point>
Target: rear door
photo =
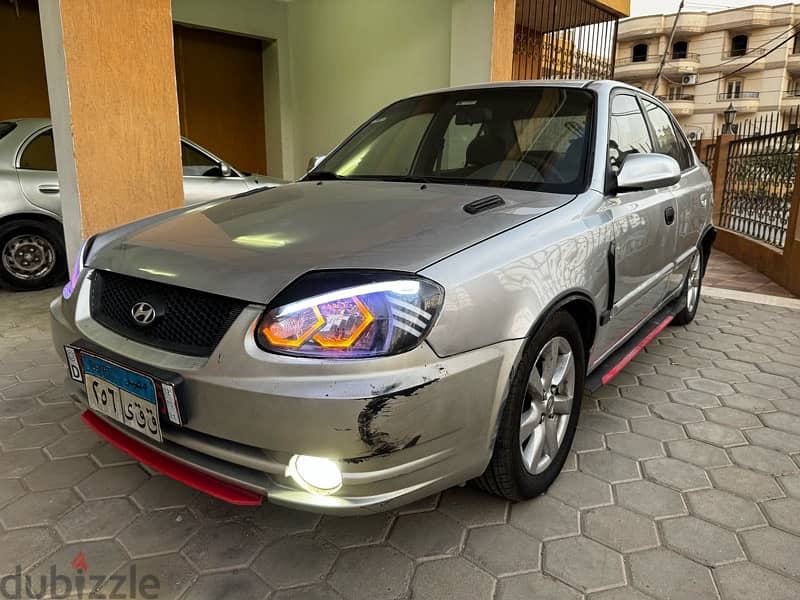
<point>643,222</point>
<point>692,193</point>
<point>36,171</point>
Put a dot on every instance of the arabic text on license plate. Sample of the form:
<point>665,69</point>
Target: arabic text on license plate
<point>123,395</point>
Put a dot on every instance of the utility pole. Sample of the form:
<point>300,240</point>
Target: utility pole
<point>668,49</point>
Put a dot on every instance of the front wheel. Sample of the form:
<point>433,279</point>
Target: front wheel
<point>691,290</point>
<point>540,414</point>
<point>32,255</point>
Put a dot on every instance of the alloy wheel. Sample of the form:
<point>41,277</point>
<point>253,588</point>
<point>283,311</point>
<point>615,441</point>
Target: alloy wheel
<point>548,405</point>
<point>29,257</point>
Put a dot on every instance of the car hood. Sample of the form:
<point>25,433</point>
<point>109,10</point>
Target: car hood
<point>252,246</point>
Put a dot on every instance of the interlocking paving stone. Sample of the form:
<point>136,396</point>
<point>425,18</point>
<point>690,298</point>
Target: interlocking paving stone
<point>173,576</point>
<point>10,489</point>
<point>791,484</point>
<point>679,413</point>
<point>76,443</point>
<point>450,578</point>
<point>698,453</point>
<point>716,434</point>
<point>59,473</point>
<point>609,466</point>
<point>696,399</point>
<point>620,528</point>
<point>112,482</point>
<point>746,581</point>
<point>587,440</point>
<point>732,417</point>
<point>163,492</point>
<point>583,563</point>
<point>426,534</point>
<point>534,585</point>
<point>544,518</point>
<point>98,519</point>
<point>787,443</point>
<point>783,421</point>
<point>783,513</point>
<point>676,474</point>
<point>502,550</point>
<point>472,507</point>
<point>667,575</point>
<point>389,573</point>
<point>774,549</point>
<point>658,428</point>
<point>603,423</point>
<point>580,490</point>
<point>624,408</point>
<point>158,532</point>
<point>295,560</point>
<point>224,546</point>
<point>650,499</point>
<point>706,543</point>
<point>347,532</point>
<point>646,395</point>
<point>634,445</point>
<point>746,483</point>
<point>748,403</point>
<point>19,463</point>
<point>244,585</point>
<point>33,436</point>
<point>763,459</point>
<point>38,508</point>
<point>725,509</point>
<point>24,547</point>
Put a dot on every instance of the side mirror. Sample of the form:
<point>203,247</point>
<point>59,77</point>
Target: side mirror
<point>314,161</point>
<point>225,169</point>
<point>647,172</point>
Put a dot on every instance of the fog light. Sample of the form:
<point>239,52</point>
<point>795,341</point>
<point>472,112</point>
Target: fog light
<point>314,474</point>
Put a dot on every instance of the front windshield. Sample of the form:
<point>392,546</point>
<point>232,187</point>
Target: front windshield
<point>528,137</point>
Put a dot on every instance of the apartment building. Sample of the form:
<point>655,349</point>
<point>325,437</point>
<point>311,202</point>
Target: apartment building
<point>748,57</point>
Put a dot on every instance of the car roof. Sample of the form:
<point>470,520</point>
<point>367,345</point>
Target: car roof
<point>600,85</point>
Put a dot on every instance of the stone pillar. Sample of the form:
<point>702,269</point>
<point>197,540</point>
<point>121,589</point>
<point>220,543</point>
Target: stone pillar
<point>111,80</point>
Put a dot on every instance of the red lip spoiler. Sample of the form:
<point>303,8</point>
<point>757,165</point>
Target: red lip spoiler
<point>172,468</point>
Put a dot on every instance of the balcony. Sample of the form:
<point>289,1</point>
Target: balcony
<point>681,105</point>
<point>685,63</point>
<point>744,102</point>
<point>640,27</point>
<point>736,59</point>
<point>629,68</point>
<point>791,99</point>
<point>793,63</point>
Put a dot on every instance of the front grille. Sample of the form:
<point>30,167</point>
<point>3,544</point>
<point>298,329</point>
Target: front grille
<point>192,322</point>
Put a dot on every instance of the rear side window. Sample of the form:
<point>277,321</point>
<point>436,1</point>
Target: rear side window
<point>667,140</point>
<point>6,127</point>
<point>627,133</point>
<point>39,154</point>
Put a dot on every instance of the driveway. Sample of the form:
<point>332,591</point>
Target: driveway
<point>684,484</point>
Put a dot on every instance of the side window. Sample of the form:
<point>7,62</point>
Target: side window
<point>667,139</point>
<point>627,133</point>
<point>197,163</point>
<point>39,154</point>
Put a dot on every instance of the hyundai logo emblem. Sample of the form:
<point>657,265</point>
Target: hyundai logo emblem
<point>143,314</point>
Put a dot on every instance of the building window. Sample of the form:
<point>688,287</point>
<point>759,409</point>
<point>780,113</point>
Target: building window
<point>680,50</point>
<point>794,87</point>
<point>739,45</point>
<point>733,88</point>
<point>796,45</point>
<point>639,53</point>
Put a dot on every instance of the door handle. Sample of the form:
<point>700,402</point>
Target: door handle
<point>48,188</point>
<point>669,215</point>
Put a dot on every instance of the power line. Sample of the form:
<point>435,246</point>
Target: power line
<point>669,45</point>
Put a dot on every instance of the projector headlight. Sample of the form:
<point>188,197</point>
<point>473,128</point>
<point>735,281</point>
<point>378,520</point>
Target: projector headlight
<point>350,315</point>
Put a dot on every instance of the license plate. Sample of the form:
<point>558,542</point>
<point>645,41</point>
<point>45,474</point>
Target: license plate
<point>121,394</point>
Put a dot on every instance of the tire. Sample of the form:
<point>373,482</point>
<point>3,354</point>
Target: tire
<point>507,474</point>
<point>32,255</point>
<point>690,292</point>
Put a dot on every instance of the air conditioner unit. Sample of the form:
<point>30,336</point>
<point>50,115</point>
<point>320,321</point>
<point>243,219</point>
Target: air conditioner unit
<point>689,80</point>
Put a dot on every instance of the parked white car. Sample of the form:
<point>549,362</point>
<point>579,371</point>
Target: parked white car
<point>32,252</point>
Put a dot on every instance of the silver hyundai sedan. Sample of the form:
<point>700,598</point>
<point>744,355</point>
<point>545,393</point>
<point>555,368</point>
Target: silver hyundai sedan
<point>424,309</point>
<point>32,254</point>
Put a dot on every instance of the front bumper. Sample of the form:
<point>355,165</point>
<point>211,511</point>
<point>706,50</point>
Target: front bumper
<point>399,428</point>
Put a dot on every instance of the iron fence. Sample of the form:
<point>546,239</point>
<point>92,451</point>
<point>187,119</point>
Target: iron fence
<point>759,183</point>
<point>563,39</point>
<point>711,153</point>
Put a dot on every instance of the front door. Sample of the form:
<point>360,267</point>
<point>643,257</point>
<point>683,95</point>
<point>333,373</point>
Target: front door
<point>644,230</point>
<point>36,172</point>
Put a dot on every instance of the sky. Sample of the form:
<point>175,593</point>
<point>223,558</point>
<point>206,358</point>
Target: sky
<point>657,7</point>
